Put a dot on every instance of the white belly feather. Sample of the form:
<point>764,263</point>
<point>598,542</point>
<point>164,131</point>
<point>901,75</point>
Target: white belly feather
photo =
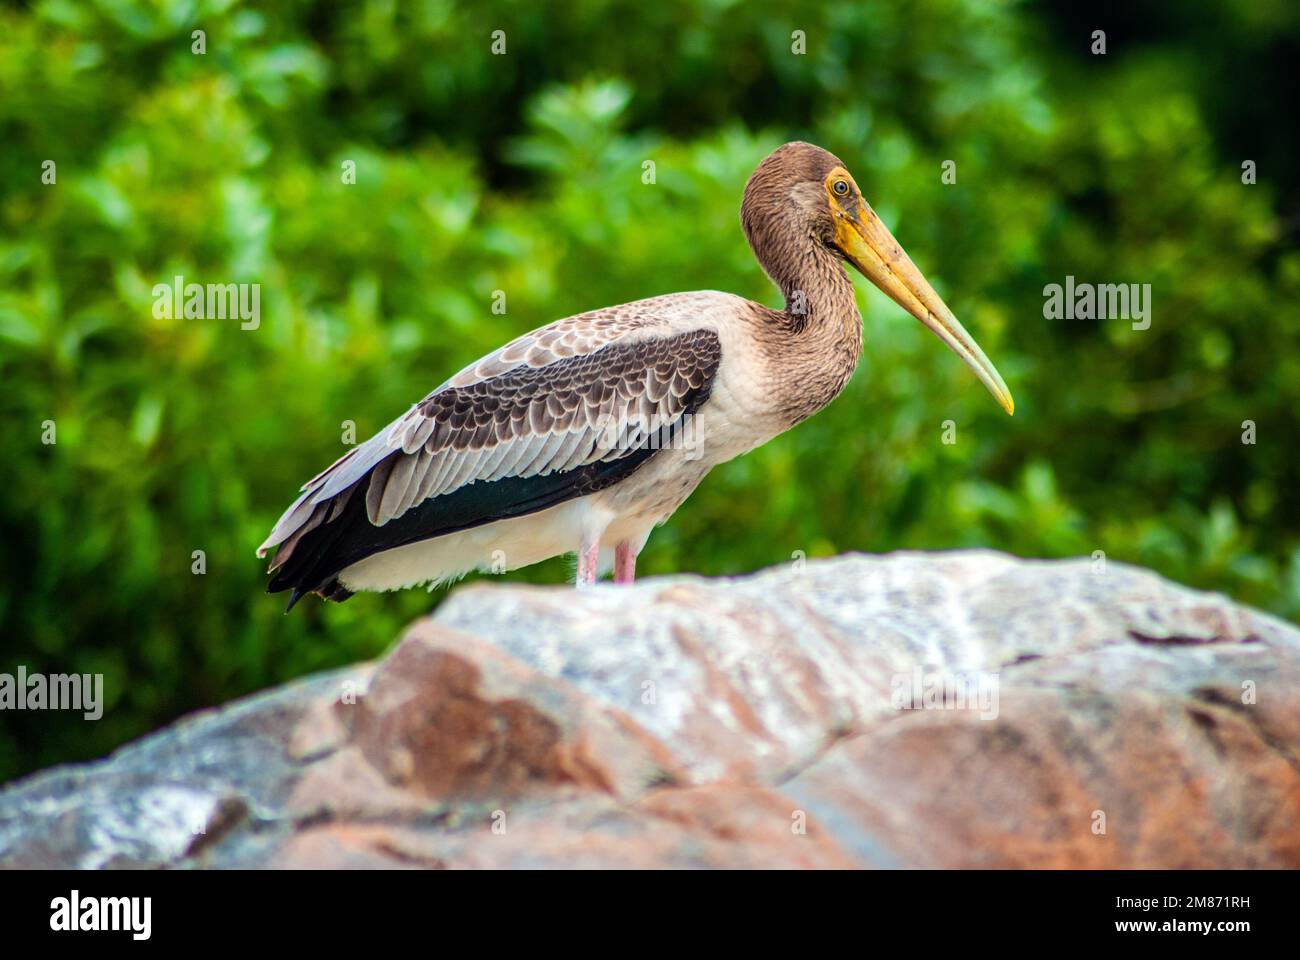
<point>493,547</point>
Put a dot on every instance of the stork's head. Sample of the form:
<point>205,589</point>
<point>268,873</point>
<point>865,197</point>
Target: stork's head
<point>801,193</point>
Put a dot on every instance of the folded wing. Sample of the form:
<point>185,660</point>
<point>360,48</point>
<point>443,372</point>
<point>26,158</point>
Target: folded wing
<point>560,413</point>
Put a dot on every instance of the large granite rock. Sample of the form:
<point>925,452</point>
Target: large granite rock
<point>913,710</point>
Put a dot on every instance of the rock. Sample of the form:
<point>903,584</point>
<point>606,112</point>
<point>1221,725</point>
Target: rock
<point>911,710</point>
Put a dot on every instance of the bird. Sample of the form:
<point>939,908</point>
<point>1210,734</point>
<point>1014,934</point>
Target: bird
<point>584,435</point>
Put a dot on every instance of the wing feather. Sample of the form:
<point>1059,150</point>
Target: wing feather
<point>375,492</point>
<point>399,479</point>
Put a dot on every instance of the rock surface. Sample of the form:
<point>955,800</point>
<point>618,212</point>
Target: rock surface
<point>1064,715</point>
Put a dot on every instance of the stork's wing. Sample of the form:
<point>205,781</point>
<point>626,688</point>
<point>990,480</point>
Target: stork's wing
<point>559,413</point>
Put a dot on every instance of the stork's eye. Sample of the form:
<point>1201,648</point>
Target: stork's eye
<point>841,188</point>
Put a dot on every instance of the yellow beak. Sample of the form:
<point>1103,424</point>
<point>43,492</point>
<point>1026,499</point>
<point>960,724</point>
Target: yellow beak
<point>873,250</point>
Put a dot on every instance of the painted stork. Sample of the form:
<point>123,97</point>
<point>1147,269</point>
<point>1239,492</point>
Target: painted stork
<point>587,433</point>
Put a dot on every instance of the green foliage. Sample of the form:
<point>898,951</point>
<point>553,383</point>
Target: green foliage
<point>523,173</point>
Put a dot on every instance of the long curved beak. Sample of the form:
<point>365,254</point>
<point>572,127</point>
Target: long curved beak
<point>871,248</point>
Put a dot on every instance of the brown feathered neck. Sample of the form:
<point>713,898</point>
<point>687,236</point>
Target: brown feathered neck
<point>787,220</point>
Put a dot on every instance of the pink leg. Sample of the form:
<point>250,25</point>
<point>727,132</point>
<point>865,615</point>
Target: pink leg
<point>624,563</point>
<point>588,557</point>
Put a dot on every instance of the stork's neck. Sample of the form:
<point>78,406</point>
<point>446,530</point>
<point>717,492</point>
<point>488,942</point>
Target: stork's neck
<point>819,296</point>
<point>814,344</point>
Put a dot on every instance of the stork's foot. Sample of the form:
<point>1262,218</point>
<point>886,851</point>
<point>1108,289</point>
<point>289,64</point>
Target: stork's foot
<point>624,563</point>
